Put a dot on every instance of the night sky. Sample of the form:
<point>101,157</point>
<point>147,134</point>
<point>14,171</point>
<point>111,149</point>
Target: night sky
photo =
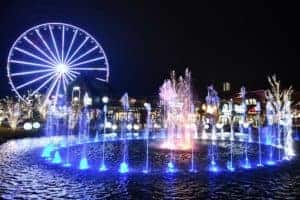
<point>219,41</point>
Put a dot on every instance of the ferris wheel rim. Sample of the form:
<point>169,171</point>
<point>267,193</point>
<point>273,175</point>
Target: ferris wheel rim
<point>36,27</point>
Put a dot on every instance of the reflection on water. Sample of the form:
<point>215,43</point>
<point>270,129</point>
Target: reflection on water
<point>23,174</point>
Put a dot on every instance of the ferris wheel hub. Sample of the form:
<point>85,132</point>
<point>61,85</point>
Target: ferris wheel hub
<point>62,68</point>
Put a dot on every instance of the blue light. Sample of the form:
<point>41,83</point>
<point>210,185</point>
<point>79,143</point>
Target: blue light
<point>268,140</point>
<point>145,171</point>
<point>63,144</point>
<point>57,158</point>
<point>270,162</point>
<point>123,168</point>
<point>230,167</point>
<point>67,165</point>
<point>47,151</point>
<point>102,168</point>
<point>83,164</point>
<point>247,164</point>
<point>259,165</point>
<point>193,170</point>
<point>171,167</point>
<point>213,168</point>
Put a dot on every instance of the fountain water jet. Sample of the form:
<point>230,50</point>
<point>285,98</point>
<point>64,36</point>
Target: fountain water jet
<point>103,166</point>
<point>146,136</point>
<point>124,165</point>
<point>212,106</point>
<point>177,101</point>
<point>84,130</point>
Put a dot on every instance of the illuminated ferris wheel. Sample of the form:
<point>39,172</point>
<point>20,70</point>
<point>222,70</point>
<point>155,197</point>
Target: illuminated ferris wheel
<point>48,57</point>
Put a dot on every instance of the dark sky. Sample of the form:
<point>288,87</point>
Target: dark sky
<point>235,41</point>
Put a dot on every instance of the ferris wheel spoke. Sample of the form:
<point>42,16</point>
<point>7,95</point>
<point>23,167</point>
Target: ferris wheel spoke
<point>100,79</point>
<point>89,69</point>
<point>51,88</point>
<point>58,87</point>
<point>32,55</point>
<point>74,72</point>
<point>31,72</point>
<point>62,43</point>
<point>78,48</point>
<point>34,80</point>
<point>43,85</point>
<point>71,75</point>
<point>86,53</point>
<point>31,63</point>
<point>39,49</point>
<point>46,45</point>
<point>54,42</point>
<point>64,81</point>
<point>71,44</point>
<point>87,61</point>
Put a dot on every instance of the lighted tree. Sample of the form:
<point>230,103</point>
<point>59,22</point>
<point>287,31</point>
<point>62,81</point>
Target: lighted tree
<point>13,112</point>
<point>279,105</point>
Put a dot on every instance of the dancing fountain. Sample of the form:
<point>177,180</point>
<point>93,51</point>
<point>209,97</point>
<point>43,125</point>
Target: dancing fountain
<point>178,115</point>
<point>178,138</point>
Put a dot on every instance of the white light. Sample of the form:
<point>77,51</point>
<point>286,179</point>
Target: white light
<point>114,127</point>
<point>219,125</point>
<point>108,125</point>
<point>76,88</point>
<point>36,125</point>
<point>136,127</point>
<point>147,106</point>
<point>156,125</point>
<point>87,100</point>
<point>246,124</point>
<point>105,99</point>
<point>129,126</point>
<point>27,126</point>
<point>206,126</point>
<point>62,68</point>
